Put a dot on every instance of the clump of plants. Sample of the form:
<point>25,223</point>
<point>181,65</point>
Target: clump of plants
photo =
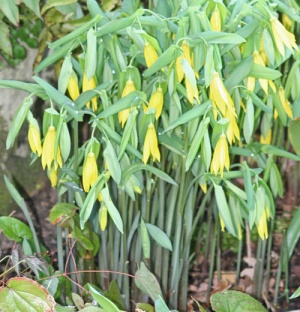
<point>185,107</point>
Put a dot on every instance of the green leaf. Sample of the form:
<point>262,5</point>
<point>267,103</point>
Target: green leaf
<point>196,111</point>
<point>146,245</point>
<point>5,43</point>
<point>296,294</point>
<point>147,282</point>
<point>259,71</point>
<point>105,303</point>
<point>294,137</point>
<point>25,86</point>
<point>15,229</point>
<point>24,294</point>
<point>145,307</point>
<point>160,305</point>
<point>248,121</point>
<point>159,236</point>
<point>293,232</point>
<point>34,6</point>
<point>10,10</point>
<point>217,37</point>
<point>18,121</point>
<point>134,168</point>
<point>113,294</point>
<point>273,150</point>
<point>112,162</point>
<point>91,54</point>
<point>53,3</point>
<point>112,210</point>
<point>61,212</point>
<point>235,301</point>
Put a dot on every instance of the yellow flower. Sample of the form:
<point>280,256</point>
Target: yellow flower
<point>262,227</point>
<point>250,83</point>
<point>179,69</point>
<point>89,172</point>
<point>222,223</point>
<point>34,139</point>
<point>73,87</point>
<point>221,156</point>
<point>191,92</point>
<point>48,150</point>
<point>285,103</point>
<point>187,53</point>
<point>220,96</point>
<point>267,139</point>
<point>286,21</point>
<point>123,115</point>
<point>52,176</point>
<point>282,37</point>
<point>90,85</point>
<point>151,145</point>
<point>103,217</point>
<point>258,60</point>
<point>215,20</point>
<point>233,130</point>
<point>156,101</point>
<point>150,54</point>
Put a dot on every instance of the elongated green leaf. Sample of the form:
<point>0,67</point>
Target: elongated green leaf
<point>259,103</point>
<point>25,86</point>
<point>112,162</point>
<point>146,245</point>
<point>91,54</point>
<point>248,187</point>
<point>236,190</point>
<point>196,111</point>
<point>24,294</point>
<point>294,130</point>
<point>293,232</point>
<point>112,210</point>
<point>273,150</point>
<point>105,303</point>
<point>10,10</point>
<point>248,121</point>
<point>132,99</point>
<point>259,71</point>
<point>217,37</point>
<point>18,121</point>
<point>159,236</point>
<point>34,6</point>
<point>134,168</point>
<point>53,3</point>
<point>147,282</point>
<point>235,301</point>
<point>5,43</point>
<point>160,305</point>
<point>296,294</point>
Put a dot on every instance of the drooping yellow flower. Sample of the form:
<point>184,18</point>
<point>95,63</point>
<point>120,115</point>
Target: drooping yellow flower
<point>48,150</point>
<point>233,130</point>
<point>34,139</point>
<point>220,96</point>
<point>150,54</point>
<point>157,101</point>
<point>286,21</point>
<point>52,173</point>
<point>123,115</point>
<point>285,103</point>
<point>90,85</point>
<point>151,145</point>
<point>257,59</point>
<point>262,227</point>
<point>73,88</point>
<point>103,217</point>
<point>179,69</point>
<point>191,92</point>
<point>215,20</point>
<point>282,37</point>
<point>221,156</point>
<point>89,172</point>
<point>187,53</point>
<point>267,139</point>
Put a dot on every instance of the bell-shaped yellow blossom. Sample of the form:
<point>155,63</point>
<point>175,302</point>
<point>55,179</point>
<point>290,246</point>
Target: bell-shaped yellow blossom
<point>220,96</point>
<point>52,173</point>
<point>233,130</point>
<point>282,37</point>
<point>103,217</point>
<point>215,20</point>
<point>286,21</point>
<point>150,54</point>
<point>285,103</point>
<point>262,227</point>
<point>34,139</point>
<point>250,84</point>
<point>151,145</point>
<point>187,54</point>
<point>157,101</point>
<point>179,69</point>
<point>267,139</point>
<point>123,115</point>
<point>48,150</point>
<point>90,85</point>
<point>257,59</point>
<point>89,172</point>
<point>220,157</point>
<point>191,92</point>
<point>73,88</point>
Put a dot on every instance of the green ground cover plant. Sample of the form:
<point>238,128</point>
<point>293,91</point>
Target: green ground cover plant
<point>165,116</point>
